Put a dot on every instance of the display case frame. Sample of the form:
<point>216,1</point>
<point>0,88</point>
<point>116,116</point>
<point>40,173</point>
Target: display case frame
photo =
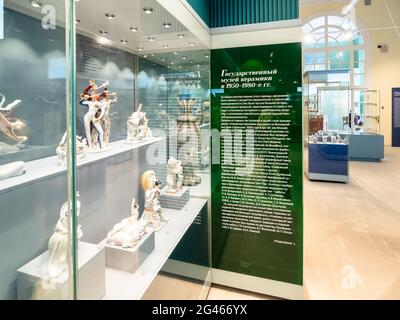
<point>327,148</point>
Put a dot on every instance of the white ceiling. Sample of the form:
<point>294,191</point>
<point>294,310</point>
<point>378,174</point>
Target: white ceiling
<point>128,14</point>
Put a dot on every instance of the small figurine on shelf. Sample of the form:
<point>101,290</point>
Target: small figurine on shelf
<point>9,127</point>
<point>12,169</point>
<point>58,243</point>
<point>152,208</point>
<point>174,175</point>
<point>138,128</point>
<point>62,149</point>
<point>144,130</point>
<point>129,231</point>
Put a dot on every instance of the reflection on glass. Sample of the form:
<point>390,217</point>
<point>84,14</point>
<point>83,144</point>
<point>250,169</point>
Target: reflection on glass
<point>35,215</point>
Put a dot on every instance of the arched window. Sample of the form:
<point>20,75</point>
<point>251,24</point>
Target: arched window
<point>334,42</point>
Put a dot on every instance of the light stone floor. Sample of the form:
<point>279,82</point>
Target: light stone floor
<point>351,238</point>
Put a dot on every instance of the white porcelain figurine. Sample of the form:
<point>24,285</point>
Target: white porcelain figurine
<point>138,126</point>
<point>152,208</point>
<point>62,149</point>
<point>90,120</point>
<point>58,243</point>
<point>12,169</point>
<point>174,175</point>
<point>129,231</point>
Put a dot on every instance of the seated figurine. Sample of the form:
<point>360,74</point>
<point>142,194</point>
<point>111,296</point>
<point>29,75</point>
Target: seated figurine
<point>152,208</point>
<point>58,243</point>
<point>128,232</point>
<point>174,175</point>
<point>12,169</point>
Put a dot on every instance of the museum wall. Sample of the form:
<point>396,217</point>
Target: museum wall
<point>383,67</point>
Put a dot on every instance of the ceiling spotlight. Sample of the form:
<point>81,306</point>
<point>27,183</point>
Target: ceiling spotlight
<point>167,25</point>
<point>36,4</point>
<point>163,59</point>
<point>124,41</point>
<point>172,63</point>
<point>206,56</point>
<point>148,10</point>
<point>145,56</point>
<point>152,55</point>
<point>176,52</point>
<point>184,57</point>
<point>165,46</point>
<point>102,40</point>
<point>133,29</point>
<point>103,32</point>
<point>151,39</point>
<point>110,16</point>
<point>181,36</point>
<point>140,48</point>
<point>191,61</point>
<point>191,44</point>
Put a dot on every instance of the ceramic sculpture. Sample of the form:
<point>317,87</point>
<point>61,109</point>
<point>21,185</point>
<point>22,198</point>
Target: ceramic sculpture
<point>174,175</point>
<point>9,128</point>
<point>58,243</point>
<point>188,135</point>
<point>138,128</point>
<point>62,149</point>
<point>152,208</point>
<point>12,170</point>
<point>128,232</point>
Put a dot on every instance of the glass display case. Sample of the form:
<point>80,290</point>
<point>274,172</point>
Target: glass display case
<point>366,111</point>
<point>327,112</point>
<point>367,144</point>
<point>107,143</point>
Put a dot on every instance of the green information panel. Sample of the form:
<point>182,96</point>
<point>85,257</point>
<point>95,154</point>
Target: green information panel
<point>257,176</point>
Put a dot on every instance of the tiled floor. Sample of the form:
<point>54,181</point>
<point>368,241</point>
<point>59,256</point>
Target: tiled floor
<point>352,233</point>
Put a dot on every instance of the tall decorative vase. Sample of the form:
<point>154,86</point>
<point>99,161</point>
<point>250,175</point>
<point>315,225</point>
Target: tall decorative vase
<point>188,136</point>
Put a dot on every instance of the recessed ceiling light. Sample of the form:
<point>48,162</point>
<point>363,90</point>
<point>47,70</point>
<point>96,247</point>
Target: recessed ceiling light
<point>152,55</point>
<point>184,57</point>
<point>191,44</point>
<point>167,25</point>
<point>151,39</point>
<point>206,56</point>
<point>176,52</point>
<point>102,40</point>
<point>165,46</point>
<point>191,61</point>
<point>163,59</point>
<point>124,41</point>
<point>148,10</point>
<point>103,32</point>
<point>133,29</point>
<point>36,4</point>
<point>181,36</point>
<point>145,56</point>
<point>110,16</point>
<point>172,63</point>
<point>140,48</point>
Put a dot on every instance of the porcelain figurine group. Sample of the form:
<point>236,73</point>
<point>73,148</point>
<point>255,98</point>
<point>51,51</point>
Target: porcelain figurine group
<point>97,119</point>
<point>138,127</point>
